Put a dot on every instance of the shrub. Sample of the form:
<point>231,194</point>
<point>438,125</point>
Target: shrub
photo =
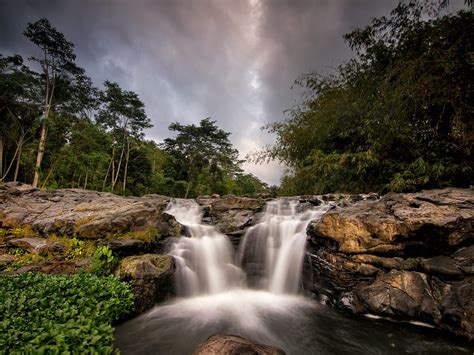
<point>103,262</point>
<point>60,314</point>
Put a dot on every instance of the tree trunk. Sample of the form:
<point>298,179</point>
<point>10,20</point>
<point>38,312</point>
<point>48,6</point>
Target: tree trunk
<point>126,167</point>
<point>50,171</point>
<point>118,168</point>
<point>17,166</point>
<point>85,180</point>
<point>11,163</point>
<point>39,156</point>
<point>107,173</point>
<point>1,158</point>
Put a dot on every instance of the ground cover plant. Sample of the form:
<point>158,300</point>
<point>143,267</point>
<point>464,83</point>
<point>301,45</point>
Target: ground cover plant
<point>56,314</point>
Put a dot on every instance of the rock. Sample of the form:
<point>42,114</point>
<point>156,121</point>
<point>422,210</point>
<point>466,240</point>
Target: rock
<point>400,224</point>
<point>405,256</point>
<point>399,294</point>
<point>125,247</point>
<point>151,278</point>
<point>386,263</point>
<point>6,258</point>
<point>60,267</point>
<point>443,266</point>
<point>38,246</point>
<point>230,213</point>
<point>87,214</point>
<point>223,344</point>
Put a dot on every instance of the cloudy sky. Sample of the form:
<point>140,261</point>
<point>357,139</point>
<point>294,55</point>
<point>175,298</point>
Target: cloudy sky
<point>231,60</point>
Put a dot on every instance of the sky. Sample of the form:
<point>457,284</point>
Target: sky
<point>232,60</point>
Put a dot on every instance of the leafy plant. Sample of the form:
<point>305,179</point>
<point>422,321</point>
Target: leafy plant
<point>60,314</point>
<point>103,261</point>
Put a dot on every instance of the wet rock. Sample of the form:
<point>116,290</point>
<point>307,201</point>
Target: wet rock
<point>151,278</point>
<point>220,344</point>
<point>399,294</point>
<point>230,213</point>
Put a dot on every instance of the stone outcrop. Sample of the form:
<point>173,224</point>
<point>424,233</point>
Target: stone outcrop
<point>86,214</point>
<point>230,214</point>
<point>405,256</point>
<point>150,276</point>
<point>220,344</point>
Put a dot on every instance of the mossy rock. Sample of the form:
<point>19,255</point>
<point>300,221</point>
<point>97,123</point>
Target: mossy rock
<point>150,277</point>
<point>144,266</point>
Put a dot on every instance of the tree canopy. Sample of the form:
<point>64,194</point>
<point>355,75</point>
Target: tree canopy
<point>396,117</point>
<point>58,130</point>
<point>209,163</point>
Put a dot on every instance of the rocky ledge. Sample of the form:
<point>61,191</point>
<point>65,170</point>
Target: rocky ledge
<point>59,231</point>
<point>405,257</point>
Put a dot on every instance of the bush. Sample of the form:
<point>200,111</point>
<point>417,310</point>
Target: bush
<point>60,314</point>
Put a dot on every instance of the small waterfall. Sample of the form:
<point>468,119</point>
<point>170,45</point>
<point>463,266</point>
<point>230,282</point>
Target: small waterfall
<point>271,252</point>
<point>205,260</point>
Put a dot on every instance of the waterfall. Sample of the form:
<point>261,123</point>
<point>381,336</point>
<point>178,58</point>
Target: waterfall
<point>205,260</point>
<point>270,255</point>
<point>272,251</point>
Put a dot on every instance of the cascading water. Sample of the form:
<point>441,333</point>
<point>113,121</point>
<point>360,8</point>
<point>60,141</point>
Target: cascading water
<point>271,252</point>
<point>205,260</point>
<point>252,292</point>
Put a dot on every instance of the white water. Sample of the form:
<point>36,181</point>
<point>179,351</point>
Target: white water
<point>271,252</point>
<point>274,249</point>
<point>205,260</point>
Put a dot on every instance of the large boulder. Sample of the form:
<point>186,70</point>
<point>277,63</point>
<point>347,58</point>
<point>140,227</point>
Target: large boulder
<point>405,256</point>
<point>151,278</point>
<point>223,344</point>
<point>230,214</point>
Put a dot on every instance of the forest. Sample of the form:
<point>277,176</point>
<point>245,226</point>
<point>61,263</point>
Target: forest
<point>60,131</point>
<point>398,116</point>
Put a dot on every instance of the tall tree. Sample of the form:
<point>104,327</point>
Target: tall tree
<point>19,107</point>
<point>203,146</point>
<point>57,62</point>
<point>123,113</point>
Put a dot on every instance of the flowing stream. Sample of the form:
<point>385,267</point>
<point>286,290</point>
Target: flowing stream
<point>253,292</point>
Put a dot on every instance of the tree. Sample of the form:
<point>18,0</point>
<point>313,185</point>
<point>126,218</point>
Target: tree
<point>396,117</point>
<point>123,113</point>
<point>19,107</point>
<point>202,148</point>
<point>56,62</point>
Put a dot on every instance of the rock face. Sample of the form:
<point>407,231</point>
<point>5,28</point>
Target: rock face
<point>222,344</point>
<point>230,214</point>
<point>405,256</point>
<point>86,214</point>
<point>151,278</point>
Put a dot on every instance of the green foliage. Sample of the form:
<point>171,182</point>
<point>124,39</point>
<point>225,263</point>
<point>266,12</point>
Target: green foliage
<point>60,314</point>
<point>397,117</point>
<point>94,139</point>
<point>103,261</point>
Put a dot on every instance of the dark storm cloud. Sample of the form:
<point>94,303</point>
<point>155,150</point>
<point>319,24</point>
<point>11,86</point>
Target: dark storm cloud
<point>231,60</point>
